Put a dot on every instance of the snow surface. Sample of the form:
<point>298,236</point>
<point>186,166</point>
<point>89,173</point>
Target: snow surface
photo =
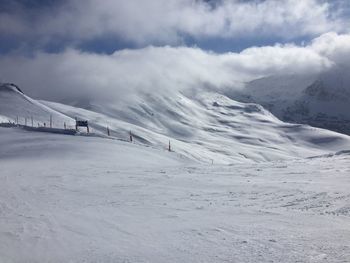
<point>321,100</point>
<point>14,104</point>
<point>208,127</point>
<point>240,185</point>
<point>86,199</point>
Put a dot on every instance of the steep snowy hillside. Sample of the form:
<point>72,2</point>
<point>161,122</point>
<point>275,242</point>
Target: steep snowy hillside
<point>321,101</point>
<point>208,127</point>
<point>14,104</point>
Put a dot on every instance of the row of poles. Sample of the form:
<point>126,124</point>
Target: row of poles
<point>31,120</point>
<point>131,138</point>
<point>65,127</point>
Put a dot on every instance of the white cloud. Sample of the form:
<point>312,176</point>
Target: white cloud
<point>74,74</point>
<point>166,21</point>
<point>334,47</point>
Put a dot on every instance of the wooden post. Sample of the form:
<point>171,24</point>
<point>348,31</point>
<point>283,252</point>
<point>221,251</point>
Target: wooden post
<point>87,129</point>
<point>108,132</point>
<point>130,134</point>
<point>169,148</point>
<point>32,121</point>
<point>65,126</point>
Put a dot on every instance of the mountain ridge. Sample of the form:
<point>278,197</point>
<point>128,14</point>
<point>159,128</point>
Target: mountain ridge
<point>319,100</point>
<point>207,126</point>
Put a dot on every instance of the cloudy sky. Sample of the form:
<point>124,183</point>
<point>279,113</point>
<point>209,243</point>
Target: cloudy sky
<point>56,49</point>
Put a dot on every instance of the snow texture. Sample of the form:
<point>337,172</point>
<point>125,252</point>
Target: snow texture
<point>208,127</point>
<point>85,199</point>
<point>319,100</point>
<point>239,186</point>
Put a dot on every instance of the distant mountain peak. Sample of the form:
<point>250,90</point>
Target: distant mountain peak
<point>319,100</point>
<point>321,91</point>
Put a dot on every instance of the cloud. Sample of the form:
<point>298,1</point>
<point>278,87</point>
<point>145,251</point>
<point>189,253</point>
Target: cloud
<point>334,47</point>
<point>73,74</point>
<point>171,21</point>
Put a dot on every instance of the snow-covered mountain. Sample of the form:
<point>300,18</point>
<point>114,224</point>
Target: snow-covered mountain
<point>319,100</point>
<point>14,104</point>
<point>89,198</point>
<point>205,126</point>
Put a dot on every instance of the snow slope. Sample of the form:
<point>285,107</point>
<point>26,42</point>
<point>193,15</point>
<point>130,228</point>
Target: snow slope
<point>87,199</point>
<point>321,100</point>
<point>97,199</point>
<point>13,104</point>
<point>208,126</point>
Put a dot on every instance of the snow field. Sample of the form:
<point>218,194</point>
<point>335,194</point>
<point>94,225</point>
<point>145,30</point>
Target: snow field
<point>82,199</point>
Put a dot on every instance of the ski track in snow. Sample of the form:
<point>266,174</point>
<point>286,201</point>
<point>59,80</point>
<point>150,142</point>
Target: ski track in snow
<point>81,199</point>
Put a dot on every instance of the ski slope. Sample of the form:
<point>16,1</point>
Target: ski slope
<point>207,127</point>
<point>87,199</point>
<point>239,185</point>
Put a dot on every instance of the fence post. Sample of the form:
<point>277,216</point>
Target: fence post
<point>169,148</point>
<point>108,132</point>
<point>50,121</point>
<point>32,121</point>
<point>65,126</point>
<point>130,134</point>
